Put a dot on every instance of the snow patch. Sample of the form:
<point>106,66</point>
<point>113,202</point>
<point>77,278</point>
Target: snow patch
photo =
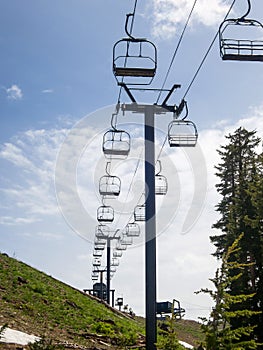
<point>186,345</point>
<point>17,337</point>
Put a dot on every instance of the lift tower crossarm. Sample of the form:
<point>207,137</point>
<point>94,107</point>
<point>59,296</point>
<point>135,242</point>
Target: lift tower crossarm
<point>135,107</point>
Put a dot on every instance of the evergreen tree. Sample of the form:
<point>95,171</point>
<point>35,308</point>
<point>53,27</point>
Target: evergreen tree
<point>239,212</point>
<point>256,192</point>
<point>220,334</point>
<point>167,338</point>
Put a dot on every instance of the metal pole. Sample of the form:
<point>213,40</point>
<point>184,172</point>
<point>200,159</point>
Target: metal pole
<point>112,297</point>
<point>150,230</point>
<point>108,270</point>
<point>101,284</point>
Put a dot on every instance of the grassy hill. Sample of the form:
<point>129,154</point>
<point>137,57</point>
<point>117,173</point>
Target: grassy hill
<point>38,304</point>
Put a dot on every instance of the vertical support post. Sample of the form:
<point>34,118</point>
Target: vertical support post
<point>150,230</point>
<point>112,298</point>
<point>101,284</point>
<point>108,270</point>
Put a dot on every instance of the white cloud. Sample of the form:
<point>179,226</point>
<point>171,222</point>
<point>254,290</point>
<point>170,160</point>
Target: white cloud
<point>47,91</point>
<point>45,235</point>
<point>15,155</point>
<point>10,221</point>
<point>14,93</point>
<point>168,15</point>
<point>30,188</point>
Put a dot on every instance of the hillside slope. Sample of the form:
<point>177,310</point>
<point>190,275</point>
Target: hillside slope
<point>38,304</point>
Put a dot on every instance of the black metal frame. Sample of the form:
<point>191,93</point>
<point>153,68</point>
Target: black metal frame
<point>240,49</point>
<point>124,71</point>
<point>183,139</point>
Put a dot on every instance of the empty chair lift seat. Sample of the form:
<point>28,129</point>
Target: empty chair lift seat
<point>105,213</point>
<point>241,40</point>
<point>161,185</point>
<point>135,58</point>
<point>139,213</point>
<point>132,229</point>
<point>182,133</point>
<point>109,186</point>
<point>102,231</point>
<point>116,144</point>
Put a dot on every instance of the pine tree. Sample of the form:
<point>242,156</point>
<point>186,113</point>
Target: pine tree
<point>239,211</point>
<point>256,192</point>
<point>220,334</point>
<point>235,172</point>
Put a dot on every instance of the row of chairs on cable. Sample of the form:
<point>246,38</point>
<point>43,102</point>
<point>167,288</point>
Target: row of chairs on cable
<point>132,230</point>
<point>126,239</point>
<point>116,143</point>
<point>96,269</point>
<point>105,213</point>
<point>135,59</point>
<point>97,261</point>
<point>102,232</point>
<point>110,187</point>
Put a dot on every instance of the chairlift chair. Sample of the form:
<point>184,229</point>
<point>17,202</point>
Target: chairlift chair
<point>126,240</point>
<point>132,229</point>
<point>237,49</point>
<point>102,231</point>
<point>113,269</point>
<point>135,58</point>
<point>115,262</point>
<point>105,213</point>
<point>95,269</point>
<point>100,241</point>
<point>97,253</point>
<point>109,186</point>
<point>120,246</point>
<point>116,144</point>
<point>161,185</point>
<point>117,254</point>
<point>139,213</point>
<point>96,262</point>
<point>182,133</point>
<point>94,276</point>
<point>99,247</point>
<point>99,244</point>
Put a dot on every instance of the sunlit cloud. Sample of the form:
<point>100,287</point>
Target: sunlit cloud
<point>33,156</point>
<point>14,93</point>
<point>41,235</point>
<point>169,15</point>
<point>47,91</point>
<point>10,221</point>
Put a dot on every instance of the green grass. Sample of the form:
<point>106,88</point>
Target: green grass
<point>38,304</point>
<point>53,308</point>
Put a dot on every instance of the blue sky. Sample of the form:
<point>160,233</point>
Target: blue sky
<point>57,94</point>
